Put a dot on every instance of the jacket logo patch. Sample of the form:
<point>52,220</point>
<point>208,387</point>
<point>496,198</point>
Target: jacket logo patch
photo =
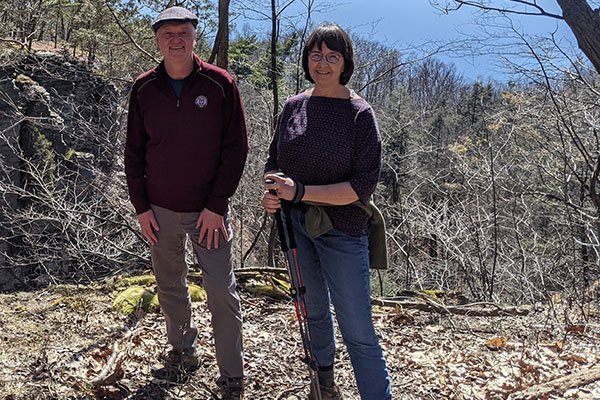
<point>201,101</point>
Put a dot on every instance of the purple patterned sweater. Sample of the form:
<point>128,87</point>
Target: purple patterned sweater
<point>324,140</point>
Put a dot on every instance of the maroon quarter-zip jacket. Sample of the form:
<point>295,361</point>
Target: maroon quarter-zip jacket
<point>189,153</point>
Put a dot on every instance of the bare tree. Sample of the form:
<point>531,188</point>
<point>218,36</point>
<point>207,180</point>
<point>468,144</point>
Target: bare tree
<point>221,45</point>
<point>581,18</point>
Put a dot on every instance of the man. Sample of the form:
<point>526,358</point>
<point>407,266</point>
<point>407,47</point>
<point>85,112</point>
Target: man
<point>185,152</point>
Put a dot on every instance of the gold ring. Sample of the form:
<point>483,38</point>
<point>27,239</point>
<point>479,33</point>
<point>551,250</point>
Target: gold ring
<point>216,230</point>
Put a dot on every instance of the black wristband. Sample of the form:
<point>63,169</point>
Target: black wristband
<point>299,192</point>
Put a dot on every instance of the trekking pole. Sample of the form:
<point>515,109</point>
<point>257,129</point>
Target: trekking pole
<point>297,290</point>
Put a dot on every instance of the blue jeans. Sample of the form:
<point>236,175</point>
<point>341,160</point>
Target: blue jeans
<point>334,268</point>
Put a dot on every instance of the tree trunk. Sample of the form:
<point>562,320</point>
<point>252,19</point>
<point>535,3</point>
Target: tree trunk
<point>274,71</point>
<point>275,90</point>
<point>221,46</point>
<point>223,53</point>
<point>585,24</point>
<point>594,196</point>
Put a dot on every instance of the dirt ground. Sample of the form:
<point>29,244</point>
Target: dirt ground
<point>53,342</point>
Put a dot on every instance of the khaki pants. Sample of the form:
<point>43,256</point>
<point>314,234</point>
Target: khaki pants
<point>168,262</point>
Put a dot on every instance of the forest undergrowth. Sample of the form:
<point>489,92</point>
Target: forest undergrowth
<point>56,341</point>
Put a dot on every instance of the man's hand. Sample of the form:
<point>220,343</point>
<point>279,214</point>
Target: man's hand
<point>211,224</point>
<point>149,225</point>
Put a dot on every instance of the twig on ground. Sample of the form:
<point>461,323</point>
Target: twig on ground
<point>558,386</point>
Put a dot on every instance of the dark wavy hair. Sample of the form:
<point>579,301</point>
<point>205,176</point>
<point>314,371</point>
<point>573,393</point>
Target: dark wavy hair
<point>336,39</point>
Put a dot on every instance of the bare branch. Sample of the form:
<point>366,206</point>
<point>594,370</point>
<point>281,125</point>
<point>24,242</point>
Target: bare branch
<point>137,46</point>
<point>504,10</point>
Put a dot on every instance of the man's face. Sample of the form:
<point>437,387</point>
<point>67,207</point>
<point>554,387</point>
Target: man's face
<point>176,41</point>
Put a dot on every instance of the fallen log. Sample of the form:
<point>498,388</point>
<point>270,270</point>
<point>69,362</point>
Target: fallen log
<point>473,309</point>
<point>241,273</point>
<point>558,386</point>
<point>260,270</point>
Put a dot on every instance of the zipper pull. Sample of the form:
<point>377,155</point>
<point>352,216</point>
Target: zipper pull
<point>177,103</point>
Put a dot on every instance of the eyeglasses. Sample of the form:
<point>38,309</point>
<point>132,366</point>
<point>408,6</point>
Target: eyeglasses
<point>331,58</point>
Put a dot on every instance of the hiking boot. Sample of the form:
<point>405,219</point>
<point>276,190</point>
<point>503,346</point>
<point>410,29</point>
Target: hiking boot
<point>189,359</point>
<point>327,393</point>
<point>231,388</point>
<point>176,364</point>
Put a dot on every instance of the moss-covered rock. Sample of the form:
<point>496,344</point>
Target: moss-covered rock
<point>136,298</point>
<point>142,297</point>
<point>149,301</point>
<point>197,293</point>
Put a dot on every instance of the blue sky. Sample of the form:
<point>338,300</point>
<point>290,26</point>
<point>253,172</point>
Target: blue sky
<point>402,23</point>
<point>405,23</point>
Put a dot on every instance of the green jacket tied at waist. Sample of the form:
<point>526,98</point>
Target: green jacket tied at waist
<point>318,223</point>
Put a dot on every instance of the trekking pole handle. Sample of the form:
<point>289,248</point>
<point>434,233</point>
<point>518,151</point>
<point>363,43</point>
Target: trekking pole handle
<point>278,220</point>
<point>288,217</point>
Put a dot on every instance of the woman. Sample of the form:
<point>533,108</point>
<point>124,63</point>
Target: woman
<point>327,144</point>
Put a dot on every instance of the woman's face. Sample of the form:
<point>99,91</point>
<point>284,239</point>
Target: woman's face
<point>325,66</point>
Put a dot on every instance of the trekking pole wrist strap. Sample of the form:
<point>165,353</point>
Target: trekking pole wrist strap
<point>299,192</point>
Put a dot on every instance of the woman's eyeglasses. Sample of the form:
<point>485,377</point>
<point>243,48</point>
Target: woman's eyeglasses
<point>331,58</point>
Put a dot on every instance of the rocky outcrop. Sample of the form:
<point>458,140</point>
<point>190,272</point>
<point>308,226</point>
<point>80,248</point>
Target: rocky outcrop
<point>55,117</point>
<point>68,93</point>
